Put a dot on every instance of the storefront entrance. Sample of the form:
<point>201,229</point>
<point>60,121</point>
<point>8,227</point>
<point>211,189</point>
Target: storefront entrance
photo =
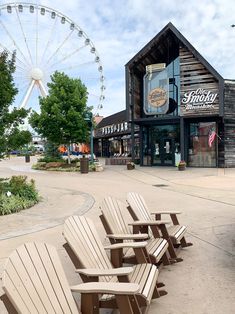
<point>160,145</point>
<point>163,152</point>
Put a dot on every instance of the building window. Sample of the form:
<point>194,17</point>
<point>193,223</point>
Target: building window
<point>200,152</point>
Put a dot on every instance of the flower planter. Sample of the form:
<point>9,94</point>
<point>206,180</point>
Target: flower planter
<point>181,168</point>
<point>130,166</point>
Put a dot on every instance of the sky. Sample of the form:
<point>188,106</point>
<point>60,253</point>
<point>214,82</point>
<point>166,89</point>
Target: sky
<point>120,28</point>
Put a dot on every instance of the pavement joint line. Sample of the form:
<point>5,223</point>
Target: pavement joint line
<point>168,188</point>
<point>88,204</point>
<point>211,244</point>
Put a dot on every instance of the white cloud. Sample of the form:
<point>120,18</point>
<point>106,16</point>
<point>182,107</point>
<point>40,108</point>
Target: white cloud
<point>119,29</point>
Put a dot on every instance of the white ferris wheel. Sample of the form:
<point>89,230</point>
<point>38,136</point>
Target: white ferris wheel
<point>46,40</point>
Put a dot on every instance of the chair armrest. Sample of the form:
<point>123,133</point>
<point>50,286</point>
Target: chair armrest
<point>148,222</point>
<point>121,271</point>
<point>107,287</point>
<point>131,236</point>
<point>168,212</point>
<point>134,245</point>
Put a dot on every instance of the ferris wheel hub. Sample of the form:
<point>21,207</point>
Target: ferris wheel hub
<point>36,74</point>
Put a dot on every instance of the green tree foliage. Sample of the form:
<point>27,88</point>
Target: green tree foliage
<point>61,120</point>
<point>10,118</point>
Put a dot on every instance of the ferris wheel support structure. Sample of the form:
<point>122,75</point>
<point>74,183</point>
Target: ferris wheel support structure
<point>46,40</point>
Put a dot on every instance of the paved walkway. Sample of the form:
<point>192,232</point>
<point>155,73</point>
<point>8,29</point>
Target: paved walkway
<point>202,283</point>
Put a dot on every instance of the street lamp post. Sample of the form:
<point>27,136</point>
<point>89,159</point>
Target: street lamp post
<point>89,119</point>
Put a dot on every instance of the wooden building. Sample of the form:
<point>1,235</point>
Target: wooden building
<point>183,107</point>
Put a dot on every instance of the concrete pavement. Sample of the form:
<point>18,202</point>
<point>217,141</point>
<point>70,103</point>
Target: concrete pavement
<point>202,283</point>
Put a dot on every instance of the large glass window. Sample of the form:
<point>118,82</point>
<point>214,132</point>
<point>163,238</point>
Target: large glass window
<point>201,152</point>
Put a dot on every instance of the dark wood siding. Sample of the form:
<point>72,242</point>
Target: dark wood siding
<point>229,123</point>
<point>194,75</point>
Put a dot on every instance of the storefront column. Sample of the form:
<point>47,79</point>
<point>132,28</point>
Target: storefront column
<point>182,137</point>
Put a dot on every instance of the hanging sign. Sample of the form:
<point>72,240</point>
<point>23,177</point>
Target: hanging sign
<point>199,99</point>
<point>156,90</point>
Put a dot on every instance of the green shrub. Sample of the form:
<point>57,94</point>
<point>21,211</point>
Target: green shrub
<point>22,194</point>
<point>51,159</point>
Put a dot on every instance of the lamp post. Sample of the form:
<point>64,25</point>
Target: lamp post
<point>89,119</point>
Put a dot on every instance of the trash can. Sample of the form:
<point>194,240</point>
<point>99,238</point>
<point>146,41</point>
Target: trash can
<point>84,165</point>
<point>27,158</point>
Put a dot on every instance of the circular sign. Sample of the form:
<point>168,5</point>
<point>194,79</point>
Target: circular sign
<point>157,97</point>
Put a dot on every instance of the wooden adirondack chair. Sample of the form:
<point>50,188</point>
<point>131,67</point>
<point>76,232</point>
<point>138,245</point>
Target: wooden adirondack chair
<point>34,282</point>
<point>115,219</point>
<point>88,254</point>
<point>174,234</point>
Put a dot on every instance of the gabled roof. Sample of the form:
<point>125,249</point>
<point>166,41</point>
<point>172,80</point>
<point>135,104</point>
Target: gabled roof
<point>115,118</point>
<point>157,39</point>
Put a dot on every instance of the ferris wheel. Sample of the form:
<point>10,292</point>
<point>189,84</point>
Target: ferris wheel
<point>46,41</point>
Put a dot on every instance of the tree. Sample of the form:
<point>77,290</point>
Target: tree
<point>10,118</point>
<point>62,117</point>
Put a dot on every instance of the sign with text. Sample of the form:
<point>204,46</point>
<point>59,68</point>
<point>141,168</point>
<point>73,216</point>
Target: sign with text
<point>199,99</point>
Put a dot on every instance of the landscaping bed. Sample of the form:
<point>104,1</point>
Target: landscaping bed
<point>17,194</point>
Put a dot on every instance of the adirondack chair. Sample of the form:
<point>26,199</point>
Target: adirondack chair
<point>174,234</point>
<point>88,255</point>
<point>115,219</point>
<point>34,282</point>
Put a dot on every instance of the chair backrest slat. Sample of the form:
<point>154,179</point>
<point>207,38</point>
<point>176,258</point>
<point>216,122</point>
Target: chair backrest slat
<point>138,205</point>
<point>34,281</point>
<point>116,215</point>
<point>89,251</point>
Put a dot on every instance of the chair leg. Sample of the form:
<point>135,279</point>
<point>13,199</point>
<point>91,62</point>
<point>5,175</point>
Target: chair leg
<point>171,249</point>
<point>89,303</point>
<point>184,243</point>
<point>172,253</point>
<point>128,305</point>
<point>160,284</point>
<point>158,293</point>
<point>165,259</point>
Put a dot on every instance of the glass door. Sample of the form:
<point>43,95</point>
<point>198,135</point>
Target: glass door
<point>163,152</point>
